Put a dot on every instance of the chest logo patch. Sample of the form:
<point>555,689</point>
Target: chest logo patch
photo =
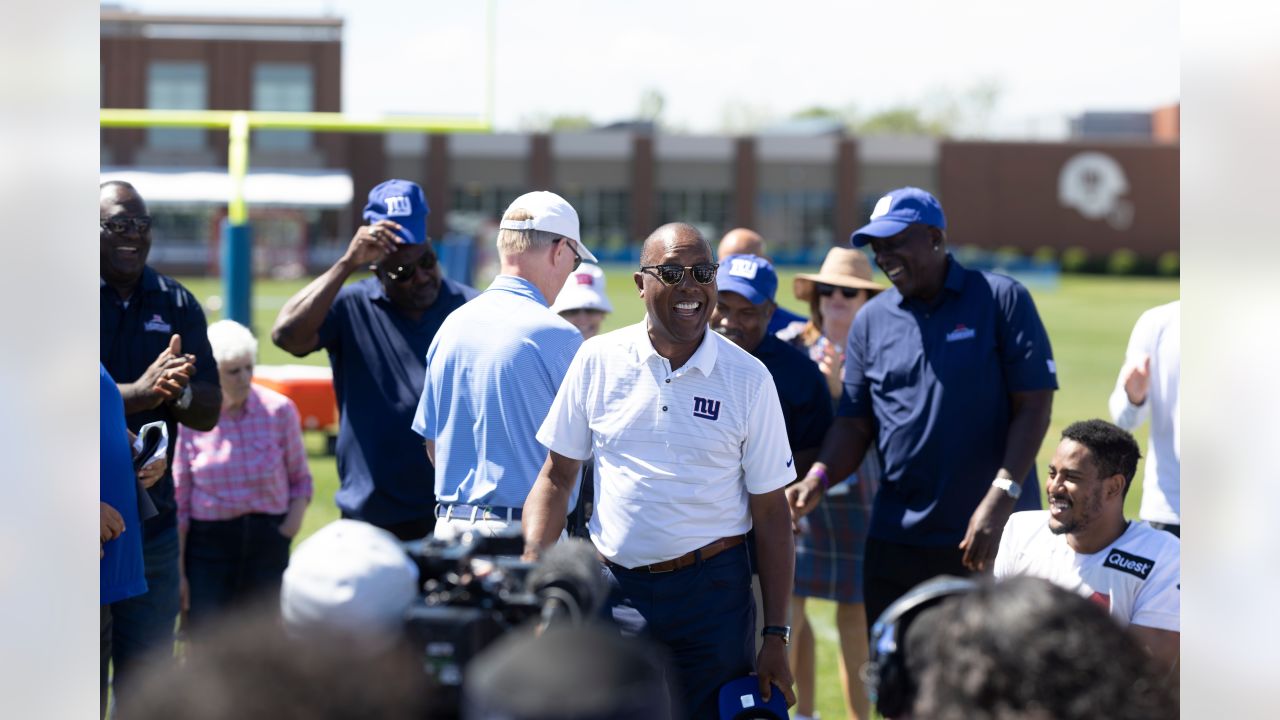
<point>706,408</point>
<point>962,332</point>
<point>157,324</point>
<point>1129,563</point>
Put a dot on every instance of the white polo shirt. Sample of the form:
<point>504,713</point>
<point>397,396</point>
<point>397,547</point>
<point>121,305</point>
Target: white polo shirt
<point>1137,578</point>
<point>676,452</point>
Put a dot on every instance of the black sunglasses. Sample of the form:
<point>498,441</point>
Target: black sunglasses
<point>577,259</point>
<point>704,273</point>
<point>405,273</point>
<point>826,290</point>
<point>120,225</point>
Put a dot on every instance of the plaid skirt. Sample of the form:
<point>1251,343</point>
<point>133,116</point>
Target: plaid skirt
<point>829,549</point>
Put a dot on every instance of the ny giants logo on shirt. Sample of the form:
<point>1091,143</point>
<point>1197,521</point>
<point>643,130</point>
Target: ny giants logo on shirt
<point>706,408</point>
<point>1132,564</point>
<point>157,324</point>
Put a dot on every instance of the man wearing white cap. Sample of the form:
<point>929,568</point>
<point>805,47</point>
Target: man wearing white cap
<point>582,301</point>
<point>494,368</point>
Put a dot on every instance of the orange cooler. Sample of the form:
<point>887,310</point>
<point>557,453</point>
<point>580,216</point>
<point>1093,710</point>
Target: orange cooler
<point>310,387</point>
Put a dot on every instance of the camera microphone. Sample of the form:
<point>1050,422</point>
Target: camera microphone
<point>568,582</point>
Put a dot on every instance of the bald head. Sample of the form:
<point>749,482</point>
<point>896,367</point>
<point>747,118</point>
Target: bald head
<point>740,241</point>
<point>655,246</point>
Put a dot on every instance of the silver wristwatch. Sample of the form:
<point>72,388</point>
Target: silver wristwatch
<point>1011,488</point>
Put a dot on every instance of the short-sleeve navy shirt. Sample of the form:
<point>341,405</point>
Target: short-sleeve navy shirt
<point>936,379</point>
<point>806,402</point>
<point>131,335</point>
<point>379,360</point>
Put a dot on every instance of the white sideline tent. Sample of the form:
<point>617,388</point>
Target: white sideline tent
<point>212,186</point>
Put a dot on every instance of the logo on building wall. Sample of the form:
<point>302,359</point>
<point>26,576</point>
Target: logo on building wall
<point>1094,184</point>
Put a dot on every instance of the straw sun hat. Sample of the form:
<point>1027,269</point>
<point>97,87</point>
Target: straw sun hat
<point>843,267</point>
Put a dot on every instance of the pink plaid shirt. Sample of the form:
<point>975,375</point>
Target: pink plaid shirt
<point>250,463</point>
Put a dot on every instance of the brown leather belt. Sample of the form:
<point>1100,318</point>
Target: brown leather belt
<point>707,552</point>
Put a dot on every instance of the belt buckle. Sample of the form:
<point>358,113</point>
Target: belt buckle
<point>649,568</point>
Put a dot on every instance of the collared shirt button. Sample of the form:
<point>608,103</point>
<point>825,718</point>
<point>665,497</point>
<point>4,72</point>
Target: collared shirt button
<point>668,379</point>
<point>664,408</point>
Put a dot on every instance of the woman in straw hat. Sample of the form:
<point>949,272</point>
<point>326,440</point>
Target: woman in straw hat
<point>829,545</point>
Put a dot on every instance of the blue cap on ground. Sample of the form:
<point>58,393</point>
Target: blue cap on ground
<point>750,276</point>
<point>740,700</point>
<point>403,202</point>
<point>897,210</point>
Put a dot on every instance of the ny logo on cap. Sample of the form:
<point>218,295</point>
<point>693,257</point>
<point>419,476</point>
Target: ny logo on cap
<point>882,206</point>
<point>398,206</point>
<point>743,268</point>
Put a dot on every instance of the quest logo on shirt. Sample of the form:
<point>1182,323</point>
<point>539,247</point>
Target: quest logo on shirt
<point>1132,564</point>
<point>157,324</point>
<point>961,333</point>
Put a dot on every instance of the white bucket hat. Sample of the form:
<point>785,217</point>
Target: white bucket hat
<point>583,290</point>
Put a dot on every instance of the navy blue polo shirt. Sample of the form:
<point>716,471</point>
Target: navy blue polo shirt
<point>806,402</point>
<point>936,379</point>
<point>131,334</point>
<point>379,360</point>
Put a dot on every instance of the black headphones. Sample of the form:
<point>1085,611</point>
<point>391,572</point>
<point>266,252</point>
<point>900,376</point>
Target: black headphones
<point>889,684</point>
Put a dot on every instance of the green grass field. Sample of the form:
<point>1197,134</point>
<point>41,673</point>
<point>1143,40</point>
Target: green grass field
<point>1088,319</point>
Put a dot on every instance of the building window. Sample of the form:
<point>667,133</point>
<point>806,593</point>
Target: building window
<point>707,210</point>
<point>176,85</point>
<point>797,224</point>
<point>283,87</point>
<point>605,218</point>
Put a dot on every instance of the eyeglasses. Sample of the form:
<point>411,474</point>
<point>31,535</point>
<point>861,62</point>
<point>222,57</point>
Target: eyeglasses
<point>826,290</point>
<point>405,273</point>
<point>704,273</point>
<point>577,259</point>
<point>121,224</point>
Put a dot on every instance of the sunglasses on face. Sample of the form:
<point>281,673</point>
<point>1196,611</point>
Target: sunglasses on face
<point>405,273</point>
<point>703,274</point>
<point>120,225</point>
<point>826,290</point>
<point>577,259</point>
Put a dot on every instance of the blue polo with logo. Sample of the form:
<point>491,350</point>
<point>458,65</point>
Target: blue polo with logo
<point>379,359</point>
<point>936,379</point>
<point>131,334</point>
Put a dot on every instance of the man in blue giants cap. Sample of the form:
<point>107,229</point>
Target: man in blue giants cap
<point>950,374</point>
<point>377,332</point>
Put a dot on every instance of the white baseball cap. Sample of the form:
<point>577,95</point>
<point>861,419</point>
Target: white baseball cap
<point>583,290</point>
<point>350,577</point>
<point>551,213</point>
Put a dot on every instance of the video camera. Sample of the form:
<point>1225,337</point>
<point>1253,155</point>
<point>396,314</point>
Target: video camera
<point>476,589</point>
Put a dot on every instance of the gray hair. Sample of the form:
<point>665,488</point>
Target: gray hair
<point>515,242</point>
<point>231,341</point>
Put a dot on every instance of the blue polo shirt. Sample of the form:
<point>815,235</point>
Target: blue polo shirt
<point>802,389</point>
<point>121,572</point>
<point>492,372</point>
<point>131,334</point>
<point>782,317</point>
<point>937,380</point>
<point>379,357</point>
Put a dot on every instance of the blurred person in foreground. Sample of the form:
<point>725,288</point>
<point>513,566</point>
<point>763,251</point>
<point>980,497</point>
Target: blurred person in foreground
<point>1148,387</point>
<point>377,332</point>
<point>747,285</point>
<point>690,452</point>
<point>1084,544</point>
<point>121,573</point>
<point>585,304</point>
<point>743,241</point>
<point>583,300</point>
<point>831,541</point>
<point>1024,648</point>
<point>241,488</point>
<point>949,374</point>
<point>152,341</point>
<point>494,368</point>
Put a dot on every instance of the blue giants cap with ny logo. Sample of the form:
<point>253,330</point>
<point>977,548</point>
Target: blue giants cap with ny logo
<point>403,202</point>
<point>898,210</point>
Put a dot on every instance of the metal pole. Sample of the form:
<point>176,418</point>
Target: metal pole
<point>237,238</point>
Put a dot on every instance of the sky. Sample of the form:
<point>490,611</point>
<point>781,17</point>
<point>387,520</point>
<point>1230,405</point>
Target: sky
<point>718,62</point>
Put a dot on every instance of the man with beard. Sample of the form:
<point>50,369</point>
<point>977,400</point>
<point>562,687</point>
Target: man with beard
<point>1083,543</point>
<point>152,341</point>
<point>690,453</point>
<point>377,332</point>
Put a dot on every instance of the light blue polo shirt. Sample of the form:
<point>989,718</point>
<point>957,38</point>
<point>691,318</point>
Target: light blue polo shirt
<point>492,371</point>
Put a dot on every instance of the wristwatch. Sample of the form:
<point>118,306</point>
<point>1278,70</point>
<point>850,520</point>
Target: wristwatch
<point>1011,488</point>
<point>184,400</point>
<point>782,631</point>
